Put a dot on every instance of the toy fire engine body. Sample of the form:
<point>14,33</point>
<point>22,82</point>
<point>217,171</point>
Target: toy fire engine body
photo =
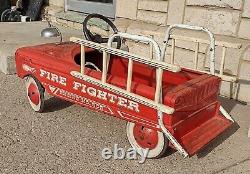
<point>165,105</point>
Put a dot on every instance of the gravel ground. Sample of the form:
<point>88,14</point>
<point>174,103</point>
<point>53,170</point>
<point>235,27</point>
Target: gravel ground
<point>69,139</point>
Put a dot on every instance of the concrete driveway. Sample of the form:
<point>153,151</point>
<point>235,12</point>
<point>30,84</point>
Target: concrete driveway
<point>14,35</point>
<point>69,139</point>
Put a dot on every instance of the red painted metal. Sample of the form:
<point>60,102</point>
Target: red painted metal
<point>33,94</point>
<point>195,122</point>
<point>145,137</point>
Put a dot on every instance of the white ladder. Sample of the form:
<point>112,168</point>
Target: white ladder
<point>158,64</point>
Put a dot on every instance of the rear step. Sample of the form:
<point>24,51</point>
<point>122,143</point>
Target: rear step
<point>202,135</point>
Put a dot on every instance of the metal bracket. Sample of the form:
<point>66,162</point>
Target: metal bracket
<point>197,28</point>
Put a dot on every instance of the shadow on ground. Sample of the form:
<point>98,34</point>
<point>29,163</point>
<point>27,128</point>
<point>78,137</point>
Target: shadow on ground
<point>55,104</point>
<point>229,104</point>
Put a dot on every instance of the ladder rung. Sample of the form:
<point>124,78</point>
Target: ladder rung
<point>104,67</point>
<point>159,73</point>
<point>129,78</point>
<point>83,59</point>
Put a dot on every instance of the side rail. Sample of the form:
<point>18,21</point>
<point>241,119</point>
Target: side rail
<point>212,43</point>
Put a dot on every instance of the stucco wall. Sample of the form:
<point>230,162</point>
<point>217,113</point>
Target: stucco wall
<point>59,3</point>
<point>228,19</point>
<point>225,17</point>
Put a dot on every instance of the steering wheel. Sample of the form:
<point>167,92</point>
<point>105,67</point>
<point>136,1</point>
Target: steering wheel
<point>96,37</point>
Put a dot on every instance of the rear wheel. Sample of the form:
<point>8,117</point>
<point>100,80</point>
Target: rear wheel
<point>35,94</point>
<point>143,138</point>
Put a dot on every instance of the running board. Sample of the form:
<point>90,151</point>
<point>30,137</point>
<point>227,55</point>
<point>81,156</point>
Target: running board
<point>198,138</point>
<point>194,141</point>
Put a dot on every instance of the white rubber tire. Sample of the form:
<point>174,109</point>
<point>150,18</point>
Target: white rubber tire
<point>40,106</point>
<point>157,152</point>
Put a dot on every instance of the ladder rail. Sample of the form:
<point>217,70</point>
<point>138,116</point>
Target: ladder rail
<point>126,55</point>
<point>107,50</point>
<point>135,97</point>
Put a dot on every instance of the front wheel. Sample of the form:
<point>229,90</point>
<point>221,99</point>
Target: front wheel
<point>35,93</point>
<point>143,138</point>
